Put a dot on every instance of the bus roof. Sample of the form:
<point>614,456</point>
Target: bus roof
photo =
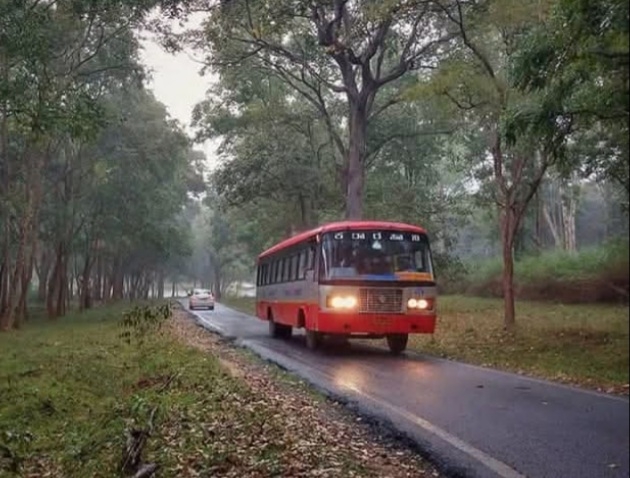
<point>341,226</point>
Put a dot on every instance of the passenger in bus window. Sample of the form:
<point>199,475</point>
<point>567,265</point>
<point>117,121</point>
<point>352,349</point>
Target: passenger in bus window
<point>405,264</point>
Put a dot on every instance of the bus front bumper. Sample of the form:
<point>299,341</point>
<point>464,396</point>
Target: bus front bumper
<point>374,324</point>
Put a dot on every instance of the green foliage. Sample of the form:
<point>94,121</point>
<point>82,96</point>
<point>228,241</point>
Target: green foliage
<point>577,61</point>
<point>92,168</point>
<point>143,320</point>
<point>593,274</point>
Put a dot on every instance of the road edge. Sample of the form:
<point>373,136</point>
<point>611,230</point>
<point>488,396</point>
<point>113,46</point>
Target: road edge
<point>450,455</point>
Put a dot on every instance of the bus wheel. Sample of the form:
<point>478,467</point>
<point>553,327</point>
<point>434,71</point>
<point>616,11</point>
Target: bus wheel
<point>397,343</point>
<point>279,331</point>
<point>313,339</point>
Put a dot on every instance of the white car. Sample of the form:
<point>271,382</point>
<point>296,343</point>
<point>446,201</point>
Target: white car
<point>201,298</point>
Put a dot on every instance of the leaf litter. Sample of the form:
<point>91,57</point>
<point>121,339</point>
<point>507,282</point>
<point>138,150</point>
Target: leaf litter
<point>266,423</point>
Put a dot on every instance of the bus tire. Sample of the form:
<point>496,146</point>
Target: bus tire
<point>279,331</point>
<point>313,339</point>
<point>397,343</point>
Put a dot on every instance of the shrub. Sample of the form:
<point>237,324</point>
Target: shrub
<point>598,274</point>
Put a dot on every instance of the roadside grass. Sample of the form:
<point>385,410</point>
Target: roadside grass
<point>591,275</point>
<point>246,305</point>
<point>584,345</point>
<point>72,389</point>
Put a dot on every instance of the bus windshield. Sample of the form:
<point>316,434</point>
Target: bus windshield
<point>375,255</point>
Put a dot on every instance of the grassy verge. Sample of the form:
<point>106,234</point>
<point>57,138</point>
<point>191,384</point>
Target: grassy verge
<point>72,390</point>
<point>585,345</point>
<point>593,275</point>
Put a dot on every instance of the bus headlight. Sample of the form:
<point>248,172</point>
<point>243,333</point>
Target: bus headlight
<point>342,302</point>
<point>420,304</point>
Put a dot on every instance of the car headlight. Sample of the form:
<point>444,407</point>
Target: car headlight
<point>420,304</point>
<point>342,302</point>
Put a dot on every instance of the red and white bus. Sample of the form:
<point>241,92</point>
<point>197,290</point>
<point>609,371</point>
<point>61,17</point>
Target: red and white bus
<point>367,279</point>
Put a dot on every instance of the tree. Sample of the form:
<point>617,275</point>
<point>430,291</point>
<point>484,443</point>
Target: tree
<point>55,57</point>
<point>94,174</point>
<point>326,51</point>
<point>577,60</point>
<point>272,147</point>
<point>523,137</point>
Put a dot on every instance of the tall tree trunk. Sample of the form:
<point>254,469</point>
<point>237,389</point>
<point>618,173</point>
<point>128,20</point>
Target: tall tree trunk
<point>553,227</point>
<point>538,239</point>
<point>355,162</point>
<point>118,278</point>
<point>98,280</point>
<point>106,293</point>
<point>508,228</point>
<point>62,284</point>
<point>160,285</point>
<point>57,285</point>
<point>27,275</point>
<point>20,280</point>
<point>43,270</point>
<point>5,182</point>
<point>218,285</point>
<point>85,298</point>
<point>569,211</point>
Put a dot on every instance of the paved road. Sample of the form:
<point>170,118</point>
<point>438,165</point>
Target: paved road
<point>472,421</point>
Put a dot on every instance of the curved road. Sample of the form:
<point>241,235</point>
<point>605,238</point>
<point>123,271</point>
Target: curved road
<point>471,421</point>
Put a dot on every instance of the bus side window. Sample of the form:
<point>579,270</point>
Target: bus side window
<point>284,270</point>
<point>276,271</point>
<point>302,259</point>
<point>295,269</point>
<point>290,268</point>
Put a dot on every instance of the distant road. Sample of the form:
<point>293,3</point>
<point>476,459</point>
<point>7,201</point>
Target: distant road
<point>475,422</point>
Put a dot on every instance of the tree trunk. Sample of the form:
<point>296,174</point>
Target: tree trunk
<point>218,286</point>
<point>97,291</point>
<point>27,275</point>
<point>62,284</point>
<point>553,228</point>
<point>5,181</point>
<point>569,211</point>
<point>43,271</point>
<point>57,285</point>
<point>85,297</point>
<point>18,287</point>
<point>107,286</point>
<point>508,225</point>
<point>52,285</point>
<point>118,278</point>
<point>355,162</point>
<point>160,285</point>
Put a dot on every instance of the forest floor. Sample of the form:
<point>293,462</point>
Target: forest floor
<point>584,345</point>
<point>73,391</point>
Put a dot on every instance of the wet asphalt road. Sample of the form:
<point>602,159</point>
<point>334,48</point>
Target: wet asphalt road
<point>472,421</point>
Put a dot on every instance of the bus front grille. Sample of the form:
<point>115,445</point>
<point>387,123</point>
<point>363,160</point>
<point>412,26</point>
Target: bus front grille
<point>380,300</point>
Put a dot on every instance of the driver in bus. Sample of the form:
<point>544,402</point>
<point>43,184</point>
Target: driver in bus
<point>404,264</point>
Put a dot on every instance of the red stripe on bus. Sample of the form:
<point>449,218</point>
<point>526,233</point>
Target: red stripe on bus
<point>340,226</point>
